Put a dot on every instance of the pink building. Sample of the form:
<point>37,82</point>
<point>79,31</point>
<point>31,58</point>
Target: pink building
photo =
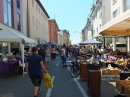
<point>11,14</point>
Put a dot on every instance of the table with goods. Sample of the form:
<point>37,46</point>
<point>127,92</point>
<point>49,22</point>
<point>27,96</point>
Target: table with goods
<point>121,74</point>
<point>116,69</point>
<point>10,64</point>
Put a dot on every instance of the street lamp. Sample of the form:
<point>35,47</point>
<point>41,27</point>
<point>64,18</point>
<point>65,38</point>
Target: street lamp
<point>80,35</point>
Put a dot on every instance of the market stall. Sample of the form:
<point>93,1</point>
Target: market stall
<point>12,37</point>
<point>90,42</point>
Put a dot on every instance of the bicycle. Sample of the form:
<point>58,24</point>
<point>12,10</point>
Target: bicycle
<point>75,69</point>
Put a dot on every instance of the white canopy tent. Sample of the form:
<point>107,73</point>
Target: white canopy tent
<point>90,42</point>
<point>11,36</point>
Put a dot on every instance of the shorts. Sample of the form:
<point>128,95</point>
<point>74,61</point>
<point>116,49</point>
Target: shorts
<point>47,59</point>
<point>37,81</point>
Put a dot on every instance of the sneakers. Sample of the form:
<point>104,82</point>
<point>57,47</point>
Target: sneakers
<point>64,65</point>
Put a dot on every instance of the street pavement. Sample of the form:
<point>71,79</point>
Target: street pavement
<point>64,84</point>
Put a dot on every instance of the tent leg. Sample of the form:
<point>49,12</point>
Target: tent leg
<point>23,58</point>
<point>8,48</point>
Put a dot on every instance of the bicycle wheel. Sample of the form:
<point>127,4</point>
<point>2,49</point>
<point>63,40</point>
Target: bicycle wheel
<point>75,71</point>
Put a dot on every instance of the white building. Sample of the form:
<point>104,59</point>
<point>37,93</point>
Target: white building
<point>101,14</point>
<point>89,29</point>
<point>119,23</point>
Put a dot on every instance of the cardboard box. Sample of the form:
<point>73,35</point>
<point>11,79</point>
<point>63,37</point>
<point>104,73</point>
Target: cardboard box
<point>105,72</point>
<point>120,85</point>
<point>127,91</point>
<point>115,72</point>
<point>105,77</point>
<point>115,77</point>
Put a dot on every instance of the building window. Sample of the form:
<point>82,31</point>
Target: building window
<point>44,29</point>
<point>33,21</point>
<point>93,19</point>
<point>37,24</point>
<point>115,13</point>
<point>93,32</point>
<point>33,3</point>
<point>18,4</point>
<point>100,25</point>
<point>96,16</point>
<point>39,10</point>
<point>18,22</point>
<point>114,1</point>
<point>7,12</point>
<point>41,28</point>
<point>36,7</point>
<point>127,4</point>
<point>100,15</point>
<point>97,30</point>
<point>43,15</point>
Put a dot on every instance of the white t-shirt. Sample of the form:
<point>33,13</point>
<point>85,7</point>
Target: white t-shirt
<point>63,52</point>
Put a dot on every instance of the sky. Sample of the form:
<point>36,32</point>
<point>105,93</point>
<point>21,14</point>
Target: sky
<point>70,15</point>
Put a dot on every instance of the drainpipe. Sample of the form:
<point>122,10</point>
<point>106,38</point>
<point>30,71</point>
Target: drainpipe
<point>28,30</point>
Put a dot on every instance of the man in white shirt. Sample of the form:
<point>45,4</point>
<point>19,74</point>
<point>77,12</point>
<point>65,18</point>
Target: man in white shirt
<point>63,56</point>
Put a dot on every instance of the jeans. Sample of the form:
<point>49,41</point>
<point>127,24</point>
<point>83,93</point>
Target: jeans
<point>63,60</point>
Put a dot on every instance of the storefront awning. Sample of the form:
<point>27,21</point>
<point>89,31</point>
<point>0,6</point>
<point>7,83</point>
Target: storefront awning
<point>11,36</point>
<point>118,26</point>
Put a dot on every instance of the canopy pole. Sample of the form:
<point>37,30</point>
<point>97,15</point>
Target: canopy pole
<point>23,58</point>
<point>114,44</point>
<point>8,48</point>
<point>104,42</point>
<point>128,44</point>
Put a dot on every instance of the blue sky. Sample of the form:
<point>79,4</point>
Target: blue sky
<point>69,14</point>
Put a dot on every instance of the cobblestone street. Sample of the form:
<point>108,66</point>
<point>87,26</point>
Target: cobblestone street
<point>64,85</point>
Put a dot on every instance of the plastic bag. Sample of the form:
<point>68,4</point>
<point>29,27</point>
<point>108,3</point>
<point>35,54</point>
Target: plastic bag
<point>47,81</point>
<point>109,66</point>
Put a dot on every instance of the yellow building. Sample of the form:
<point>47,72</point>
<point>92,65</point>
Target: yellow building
<point>66,37</point>
<point>37,21</point>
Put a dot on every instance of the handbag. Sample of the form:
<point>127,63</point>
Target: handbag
<point>47,81</point>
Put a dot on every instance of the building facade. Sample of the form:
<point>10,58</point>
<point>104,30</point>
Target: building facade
<point>37,21</point>
<point>12,18</point>
<point>11,15</point>
<point>118,24</point>
<point>100,15</point>
<point>83,35</point>
<point>53,31</point>
<point>60,38</point>
<point>65,37</point>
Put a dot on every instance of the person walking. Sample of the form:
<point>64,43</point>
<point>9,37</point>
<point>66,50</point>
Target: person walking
<point>41,52</point>
<point>63,56</point>
<point>99,53</point>
<point>34,66</point>
<point>47,56</point>
<point>95,51</point>
<point>53,53</point>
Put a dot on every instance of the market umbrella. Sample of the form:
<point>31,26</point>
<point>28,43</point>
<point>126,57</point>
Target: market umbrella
<point>50,44</point>
<point>90,42</point>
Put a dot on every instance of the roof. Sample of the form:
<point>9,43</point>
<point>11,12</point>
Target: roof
<point>93,9</point>
<point>54,22</point>
<point>42,8</point>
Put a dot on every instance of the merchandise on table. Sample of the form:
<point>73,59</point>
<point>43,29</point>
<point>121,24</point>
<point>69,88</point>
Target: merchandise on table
<point>112,74</point>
